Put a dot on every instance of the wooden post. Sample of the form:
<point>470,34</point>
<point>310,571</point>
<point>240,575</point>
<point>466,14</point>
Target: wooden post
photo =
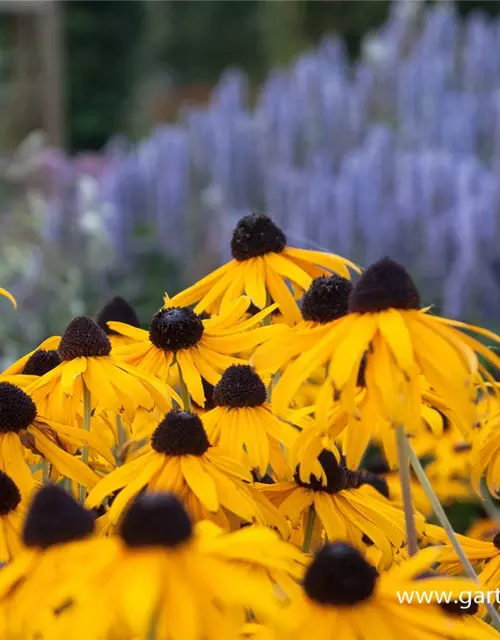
<point>51,72</point>
<point>38,67</point>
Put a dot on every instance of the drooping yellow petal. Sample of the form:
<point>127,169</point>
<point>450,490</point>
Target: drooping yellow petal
<point>9,296</point>
<point>65,463</point>
<point>200,482</point>
<point>191,376</point>
<point>118,479</point>
<point>255,285</point>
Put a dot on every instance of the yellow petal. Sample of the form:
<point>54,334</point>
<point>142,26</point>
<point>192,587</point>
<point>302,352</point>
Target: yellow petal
<point>200,482</point>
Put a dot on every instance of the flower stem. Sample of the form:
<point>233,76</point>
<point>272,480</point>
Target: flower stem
<point>440,514</point>
<point>405,480</point>
<point>121,436</point>
<point>186,398</point>
<point>489,504</point>
<point>311,517</point>
<point>45,471</point>
<point>87,408</point>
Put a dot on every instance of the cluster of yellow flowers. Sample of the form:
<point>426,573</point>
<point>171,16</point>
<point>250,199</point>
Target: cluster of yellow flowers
<point>266,461</point>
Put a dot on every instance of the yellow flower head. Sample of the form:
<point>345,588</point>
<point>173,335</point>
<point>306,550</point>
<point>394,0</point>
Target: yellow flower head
<point>386,333</point>
<point>201,347</point>
<point>345,598</point>
<point>39,584</point>
<point>483,554</point>
<point>11,518</point>
<point>87,362</point>
<point>261,266</point>
<point>49,344</point>
<point>22,427</point>
<point>348,504</point>
<point>179,458</point>
<point>242,422</point>
<point>183,581</point>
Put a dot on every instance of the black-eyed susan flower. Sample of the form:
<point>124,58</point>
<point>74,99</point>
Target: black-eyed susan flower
<point>261,267</point>
<point>39,585</point>
<point>176,581</point>
<point>242,422</point>
<point>87,362</point>
<point>11,518</point>
<point>484,556</point>
<point>346,506</point>
<point>21,426</point>
<point>202,348</point>
<point>179,458</point>
<point>49,344</point>
<point>397,342</point>
<point>117,310</point>
<point>345,599</point>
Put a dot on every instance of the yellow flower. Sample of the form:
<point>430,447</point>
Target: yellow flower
<point>36,588</point>
<point>201,347</point>
<point>49,344</point>
<point>396,343</point>
<point>7,294</point>
<point>22,426</point>
<point>347,508</point>
<point>164,576</point>
<point>242,422</point>
<point>262,264</point>
<point>355,432</point>
<point>85,351</point>
<point>117,310</point>
<point>179,458</point>
<point>345,599</point>
<point>11,518</point>
<point>484,555</point>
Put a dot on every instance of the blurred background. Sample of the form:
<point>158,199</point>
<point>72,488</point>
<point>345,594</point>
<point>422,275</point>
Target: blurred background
<point>134,134</point>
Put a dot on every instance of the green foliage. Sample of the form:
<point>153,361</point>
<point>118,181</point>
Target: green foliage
<point>112,44</point>
<point>99,38</point>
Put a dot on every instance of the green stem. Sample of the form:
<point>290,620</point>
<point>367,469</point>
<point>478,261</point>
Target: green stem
<point>311,517</point>
<point>120,432</point>
<point>87,408</point>
<point>186,398</point>
<point>440,514</point>
<point>489,504</point>
<point>45,471</point>
<point>405,480</point>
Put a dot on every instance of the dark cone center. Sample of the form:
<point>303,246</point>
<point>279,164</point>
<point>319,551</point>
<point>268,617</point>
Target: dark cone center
<point>496,540</point>
<point>339,575</point>
<point>384,285</point>
<point>83,338</point>
<point>327,299</point>
<point>459,608</point>
<point>41,362</point>
<point>10,496</point>
<point>156,520</point>
<point>175,328</point>
<point>239,386</point>
<point>17,409</point>
<point>338,476</point>
<point>117,310</point>
<point>181,433</point>
<point>54,518</point>
<point>255,235</point>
